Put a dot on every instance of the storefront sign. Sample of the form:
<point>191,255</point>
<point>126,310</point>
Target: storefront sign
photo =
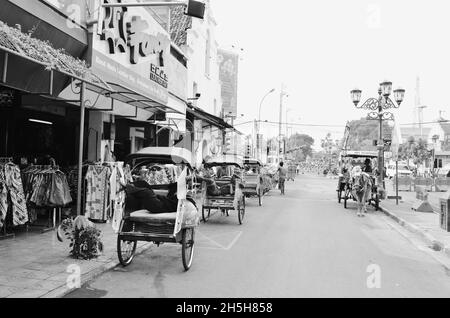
<point>130,49</point>
<point>157,75</point>
<point>229,66</point>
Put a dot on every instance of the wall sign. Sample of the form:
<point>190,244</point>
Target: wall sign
<point>125,32</point>
<point>130,48</point>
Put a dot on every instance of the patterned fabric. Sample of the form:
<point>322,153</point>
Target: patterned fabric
<point>166,175</point>
<point>16,193</point>
<point>3,197</point>
<point>97,188</point>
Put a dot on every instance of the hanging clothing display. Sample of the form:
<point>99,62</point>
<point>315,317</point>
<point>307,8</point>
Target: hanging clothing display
<point>72,179</point>
<point>118,196</point>
<point>12,197</point>
<point>45,187</point>
<point>97,196</point>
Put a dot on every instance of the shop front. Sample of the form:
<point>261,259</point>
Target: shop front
<point>209,131</point>
<point>40,132</point>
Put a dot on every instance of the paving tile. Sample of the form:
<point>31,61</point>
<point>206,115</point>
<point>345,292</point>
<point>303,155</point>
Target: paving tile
<point>28,293</point>
<point>29,273</point>
<point>47,285</point>
<point>51,269</point>
<point>61,277</point>
<point>8,290</point>
<point>20,282</point>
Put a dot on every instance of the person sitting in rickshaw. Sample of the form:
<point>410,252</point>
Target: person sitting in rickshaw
<point>141,196</point>
<point>213,189</point>
<point>367,168</point>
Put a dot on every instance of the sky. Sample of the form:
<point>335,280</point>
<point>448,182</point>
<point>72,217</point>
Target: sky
<point>322,49</point>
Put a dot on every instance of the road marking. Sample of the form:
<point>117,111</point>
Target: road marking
<point>219,246</point>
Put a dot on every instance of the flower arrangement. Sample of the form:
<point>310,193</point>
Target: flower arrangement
<point>84,237</point>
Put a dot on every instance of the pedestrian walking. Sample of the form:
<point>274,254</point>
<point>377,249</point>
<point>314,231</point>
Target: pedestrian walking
<point>282,174</point>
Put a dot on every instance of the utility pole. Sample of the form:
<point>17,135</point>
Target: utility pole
<point>280,124</point>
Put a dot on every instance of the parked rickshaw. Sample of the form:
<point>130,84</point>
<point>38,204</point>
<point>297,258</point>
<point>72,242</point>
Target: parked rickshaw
<point>253,180</point>
<point>225,203</point>
<point>350,159</point>
<point>292,172</point>
<point>165,167</point>
<point>267,179</point>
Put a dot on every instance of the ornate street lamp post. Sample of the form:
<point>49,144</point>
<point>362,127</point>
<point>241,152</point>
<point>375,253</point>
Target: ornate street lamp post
<point>378,107</point>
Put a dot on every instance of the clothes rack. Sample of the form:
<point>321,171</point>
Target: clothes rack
<point>54,208</point>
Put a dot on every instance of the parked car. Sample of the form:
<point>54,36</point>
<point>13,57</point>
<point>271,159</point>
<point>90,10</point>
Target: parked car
<point>403,171</point>
<point>444,171</point>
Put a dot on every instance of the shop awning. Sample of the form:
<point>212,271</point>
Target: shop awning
<point>128,96</point>
<point>210,119</point>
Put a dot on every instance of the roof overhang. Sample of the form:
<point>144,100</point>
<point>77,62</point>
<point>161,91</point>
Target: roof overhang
<point>208,118</point>
<point>164,155</point>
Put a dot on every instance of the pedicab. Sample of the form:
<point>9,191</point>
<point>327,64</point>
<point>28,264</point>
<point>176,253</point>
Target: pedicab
<point>163,168</point>
<point>228,202</point>
<point>292,172</point>
<point>345,183</point>
<point>253,180</point>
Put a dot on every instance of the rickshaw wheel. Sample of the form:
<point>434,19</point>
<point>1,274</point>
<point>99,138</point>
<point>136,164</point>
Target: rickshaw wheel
<point>241,211</point>
<point>377,203</point>
<point>260,198</point>
<point>204,216</point>
<point>188,244</point>
<point>126,251</point>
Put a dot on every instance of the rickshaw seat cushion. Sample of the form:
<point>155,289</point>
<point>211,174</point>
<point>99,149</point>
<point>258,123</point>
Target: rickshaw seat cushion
<point>144,216</point>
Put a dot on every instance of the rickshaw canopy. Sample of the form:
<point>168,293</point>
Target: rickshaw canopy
<point>164,155</point>
<point>252,161</point>
<point>359,154</point>
<point>225,160</point>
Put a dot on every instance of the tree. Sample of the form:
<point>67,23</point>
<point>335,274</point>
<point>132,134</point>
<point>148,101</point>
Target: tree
<point>363,132</point>
<point>303,143</point>
<point>415,150</point>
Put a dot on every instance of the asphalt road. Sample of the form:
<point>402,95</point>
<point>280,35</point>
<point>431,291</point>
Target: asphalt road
<point>301,245</point>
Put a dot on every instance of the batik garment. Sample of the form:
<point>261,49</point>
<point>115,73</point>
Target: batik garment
<point>3,197</point>
<point>119,197</point>
<point>97,179</point>
<point>15,188</point>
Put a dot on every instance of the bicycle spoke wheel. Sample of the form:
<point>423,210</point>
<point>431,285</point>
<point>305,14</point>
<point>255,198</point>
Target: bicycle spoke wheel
<point>126,251</point>
<point>188,244</point>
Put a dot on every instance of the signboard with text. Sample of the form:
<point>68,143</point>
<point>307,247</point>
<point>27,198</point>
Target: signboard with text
<point>131,49</point>
<point>229,67</point>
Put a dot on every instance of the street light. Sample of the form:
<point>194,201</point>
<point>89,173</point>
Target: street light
<point>378,107</point>
<point>258,150</point>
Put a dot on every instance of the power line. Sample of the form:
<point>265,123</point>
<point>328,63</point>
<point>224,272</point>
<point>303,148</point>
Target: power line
<point>334,126</point>
<point>290,124</point>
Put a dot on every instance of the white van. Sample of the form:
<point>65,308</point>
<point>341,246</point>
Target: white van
<point>403,170</point>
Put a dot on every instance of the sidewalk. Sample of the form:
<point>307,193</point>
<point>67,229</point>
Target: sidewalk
<point>409,197</point>
<point>427,225</point>
<point>36,265</point>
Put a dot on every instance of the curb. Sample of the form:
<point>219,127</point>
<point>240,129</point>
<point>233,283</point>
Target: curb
<point>63,290</point>
<point>435,244</point>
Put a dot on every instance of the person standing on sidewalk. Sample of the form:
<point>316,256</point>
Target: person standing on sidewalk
<point>282,174</point>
